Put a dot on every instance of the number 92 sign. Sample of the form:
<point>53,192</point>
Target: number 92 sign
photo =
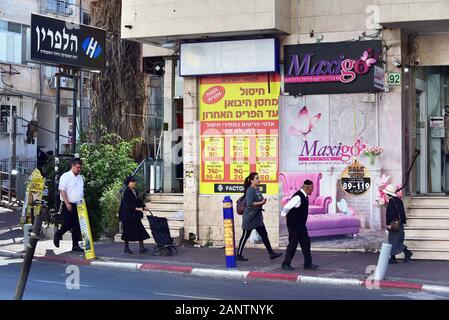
<point>394,79</point>
<point>355,179</point>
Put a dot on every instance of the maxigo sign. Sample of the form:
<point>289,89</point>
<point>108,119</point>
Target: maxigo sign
<point>60,42</point>
<point>326,68</point>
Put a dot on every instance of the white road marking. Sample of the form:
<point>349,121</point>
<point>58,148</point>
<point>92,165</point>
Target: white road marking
<point>418,296</point>
<point>184,296</point>
<point>63,283</point>
<point>4,261</point>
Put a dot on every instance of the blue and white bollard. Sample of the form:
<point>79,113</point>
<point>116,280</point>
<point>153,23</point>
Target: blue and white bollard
<point>229,234</point>
<point>382,263</point>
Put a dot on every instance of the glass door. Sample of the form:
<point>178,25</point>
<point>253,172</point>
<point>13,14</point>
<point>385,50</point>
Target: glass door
<point>421,137</point>
<point>432,103</point>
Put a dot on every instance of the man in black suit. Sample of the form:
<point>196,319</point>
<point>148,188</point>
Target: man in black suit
<point>296,211</point>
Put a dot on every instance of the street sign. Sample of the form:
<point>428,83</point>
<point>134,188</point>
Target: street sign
<point>60,42</point>
<point>86,233</point>
<point>394,79</point>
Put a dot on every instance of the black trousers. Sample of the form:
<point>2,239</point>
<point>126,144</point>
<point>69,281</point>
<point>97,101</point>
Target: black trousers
<point>298,235</point>
<point>263,234</point>
<point>71,222</point>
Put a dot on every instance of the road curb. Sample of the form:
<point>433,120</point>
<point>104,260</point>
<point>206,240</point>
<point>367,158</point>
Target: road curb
<point>230,274</point>
<point>63,260</point>
<point>329,281</point>
<point>239,274</point>
<point>116,265</point>
<point>11,254</point>
<point>273,276</point>
<point>434,289</point>
<point>392,285</point>
<point>163,267</point>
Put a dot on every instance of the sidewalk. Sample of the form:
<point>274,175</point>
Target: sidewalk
<point>338,268</point>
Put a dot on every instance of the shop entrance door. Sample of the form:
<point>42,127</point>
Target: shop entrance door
<point>432,102</point>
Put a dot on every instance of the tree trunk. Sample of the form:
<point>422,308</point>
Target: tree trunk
<point>119,100</point>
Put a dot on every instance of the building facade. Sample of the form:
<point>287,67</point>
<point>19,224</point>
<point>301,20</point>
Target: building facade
<point>322,126</point>
<point>29,89</point>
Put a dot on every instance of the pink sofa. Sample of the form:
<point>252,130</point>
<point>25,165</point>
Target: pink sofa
<point>292,182</point>
<point>319,223</point>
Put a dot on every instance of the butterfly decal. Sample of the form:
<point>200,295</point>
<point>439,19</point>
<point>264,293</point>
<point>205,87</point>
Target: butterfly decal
<point>303,123</point>
<point>368,57</point>
<point>343,207</point>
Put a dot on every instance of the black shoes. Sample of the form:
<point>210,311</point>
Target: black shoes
<point>311,267</point>
<point>287,267</point>
<point>393,260</point>
<point>275,255</point>
<point>56,240</point>
<point>128,251</point>
<point>143,250</point>
<point>77,248</point>
<point>408,255</point>
<point>240,258</point>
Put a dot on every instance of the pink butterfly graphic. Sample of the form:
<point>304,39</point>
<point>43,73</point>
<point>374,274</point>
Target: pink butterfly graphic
<point>368,58</point>
<point>304,123</point>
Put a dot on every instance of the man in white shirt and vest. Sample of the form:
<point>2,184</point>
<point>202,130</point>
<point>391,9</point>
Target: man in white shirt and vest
<point>71,189</point>
<point>296,211</point>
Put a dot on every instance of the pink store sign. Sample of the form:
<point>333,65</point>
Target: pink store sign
<point>336,67</point>
<point>315,152</point>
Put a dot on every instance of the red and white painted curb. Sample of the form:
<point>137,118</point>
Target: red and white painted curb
<point>241,275</point>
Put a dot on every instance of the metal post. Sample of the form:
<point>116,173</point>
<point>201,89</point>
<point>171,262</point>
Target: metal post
<point>58,111</point>
<point>382,263</point>
<point>81,76</point>
<point>12,141</point>
<point>75,93</point>
<point>26,266</point>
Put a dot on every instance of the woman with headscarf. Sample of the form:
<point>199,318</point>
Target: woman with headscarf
<point>395,211</point>
<point>131,213</point>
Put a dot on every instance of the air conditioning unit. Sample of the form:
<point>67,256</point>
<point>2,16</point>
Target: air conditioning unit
<point>66,111</point>
<point>69,11</point>
<point>66,82</point>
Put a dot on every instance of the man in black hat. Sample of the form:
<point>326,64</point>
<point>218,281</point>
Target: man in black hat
<point>296,211</point>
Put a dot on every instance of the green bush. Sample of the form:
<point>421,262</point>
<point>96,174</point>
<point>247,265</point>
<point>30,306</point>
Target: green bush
<point>106,164</point>
<point>109,208</point>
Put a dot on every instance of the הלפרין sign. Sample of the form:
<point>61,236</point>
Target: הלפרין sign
<point>60,42</point>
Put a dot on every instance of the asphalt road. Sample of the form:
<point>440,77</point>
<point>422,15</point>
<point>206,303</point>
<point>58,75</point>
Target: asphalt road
<point>47,281</point>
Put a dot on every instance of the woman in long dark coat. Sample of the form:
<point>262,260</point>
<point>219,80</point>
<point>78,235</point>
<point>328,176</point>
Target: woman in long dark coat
<point>131,213</point>
<point>395,209</point>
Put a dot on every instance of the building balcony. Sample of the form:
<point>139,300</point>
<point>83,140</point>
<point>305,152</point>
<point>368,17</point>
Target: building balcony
<point>160,21</point>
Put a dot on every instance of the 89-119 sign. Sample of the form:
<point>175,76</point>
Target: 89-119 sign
<point>355,179</point>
